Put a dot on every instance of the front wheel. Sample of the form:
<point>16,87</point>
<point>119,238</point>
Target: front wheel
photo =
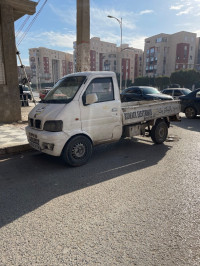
<point>190,112</point>
<point>77,151</point>
<point>159,132</point>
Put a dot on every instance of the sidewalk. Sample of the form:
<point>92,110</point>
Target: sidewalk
<point>12,136</point>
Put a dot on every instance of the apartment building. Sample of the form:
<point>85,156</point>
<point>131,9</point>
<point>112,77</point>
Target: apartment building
<point>166,53</point>
<point>49,65</point>
<point>106,56</point>
<point>97,49</point>
<point>131,62</point>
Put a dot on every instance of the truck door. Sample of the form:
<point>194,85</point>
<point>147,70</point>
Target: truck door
<point>102,119</point>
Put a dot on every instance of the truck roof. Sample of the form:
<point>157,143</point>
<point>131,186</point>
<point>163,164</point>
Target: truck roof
<point>89,73</point>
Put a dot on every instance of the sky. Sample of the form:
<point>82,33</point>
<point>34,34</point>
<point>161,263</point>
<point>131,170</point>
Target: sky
<point>55,26</point>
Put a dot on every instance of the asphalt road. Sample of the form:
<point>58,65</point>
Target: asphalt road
<point>134,203</point>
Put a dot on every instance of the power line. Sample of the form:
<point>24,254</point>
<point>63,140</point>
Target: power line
<point>31,23</point>
<point>24,23</point>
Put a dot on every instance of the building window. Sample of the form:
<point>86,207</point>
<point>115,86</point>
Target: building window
<point>185,52</point>
<point>158,40</point>
<point>161,39</point>
<point>152,50</point>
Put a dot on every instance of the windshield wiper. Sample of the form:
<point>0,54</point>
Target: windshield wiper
<point>56,101</point>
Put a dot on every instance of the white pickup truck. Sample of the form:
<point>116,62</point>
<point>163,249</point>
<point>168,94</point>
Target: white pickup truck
<point>84,109</point>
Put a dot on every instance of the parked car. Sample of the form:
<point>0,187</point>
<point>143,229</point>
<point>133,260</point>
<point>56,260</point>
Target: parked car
<point>176,92</point>
<point>43,92</point>
<point>140,93</point>
<point>190,104</point>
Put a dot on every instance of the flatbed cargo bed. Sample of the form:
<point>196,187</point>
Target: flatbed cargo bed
<point>141,111</point>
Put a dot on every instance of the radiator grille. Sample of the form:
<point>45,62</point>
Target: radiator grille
<point>34,123</point>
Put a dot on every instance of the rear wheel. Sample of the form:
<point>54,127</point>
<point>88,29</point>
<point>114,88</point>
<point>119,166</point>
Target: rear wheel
<point>159,132</point>
<point>190,112</point>
<point>77,151</point>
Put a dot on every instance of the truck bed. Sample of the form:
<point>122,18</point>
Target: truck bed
<point>141,111</point>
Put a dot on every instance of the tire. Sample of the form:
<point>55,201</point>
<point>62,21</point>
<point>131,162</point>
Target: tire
<point>77,151</point>
<point>159,132</point>
<point>190,112</point>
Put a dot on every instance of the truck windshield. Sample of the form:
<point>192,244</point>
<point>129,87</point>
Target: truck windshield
<point>64,90</point>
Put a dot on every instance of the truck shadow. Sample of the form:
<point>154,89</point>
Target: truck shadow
<point>30,180</point>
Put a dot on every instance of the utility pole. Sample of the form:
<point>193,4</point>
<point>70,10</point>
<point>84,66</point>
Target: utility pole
<point>83,36</point>
<point>120,62</point>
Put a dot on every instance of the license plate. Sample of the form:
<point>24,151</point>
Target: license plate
<point>33,141</point>
<point>34,145</point>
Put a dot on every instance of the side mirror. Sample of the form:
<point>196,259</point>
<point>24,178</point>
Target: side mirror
<point>91,98</point>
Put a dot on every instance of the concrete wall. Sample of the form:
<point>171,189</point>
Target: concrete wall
<point>9,92</point>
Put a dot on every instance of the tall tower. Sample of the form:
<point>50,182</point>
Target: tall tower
<point>83,36</point>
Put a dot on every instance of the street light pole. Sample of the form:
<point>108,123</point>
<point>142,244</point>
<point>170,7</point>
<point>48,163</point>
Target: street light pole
<point>120,70</point>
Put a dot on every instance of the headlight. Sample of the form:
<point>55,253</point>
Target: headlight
<point>53,126</point>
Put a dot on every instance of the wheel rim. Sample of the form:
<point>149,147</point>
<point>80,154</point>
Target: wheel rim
<point>161,132</point>
<point>78,151</point>
<point>190,112</point>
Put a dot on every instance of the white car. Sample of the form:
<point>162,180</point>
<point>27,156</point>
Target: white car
<point>176,92</point>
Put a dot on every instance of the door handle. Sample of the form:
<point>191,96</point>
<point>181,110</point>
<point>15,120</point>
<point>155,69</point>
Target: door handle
<point>114,110</point>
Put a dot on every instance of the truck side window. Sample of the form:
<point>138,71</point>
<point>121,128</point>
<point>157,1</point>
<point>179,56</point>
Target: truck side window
<point>103,87</point>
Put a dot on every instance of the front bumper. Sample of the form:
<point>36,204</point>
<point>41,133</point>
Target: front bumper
<point>48,142</point>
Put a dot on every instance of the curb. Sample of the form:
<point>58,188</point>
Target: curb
<point>15,149</point>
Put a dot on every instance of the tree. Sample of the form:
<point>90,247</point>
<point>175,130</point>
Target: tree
<point>186,78</point>
<point>141,81</point>
<point>126,83</point>
<point>162,82</point>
